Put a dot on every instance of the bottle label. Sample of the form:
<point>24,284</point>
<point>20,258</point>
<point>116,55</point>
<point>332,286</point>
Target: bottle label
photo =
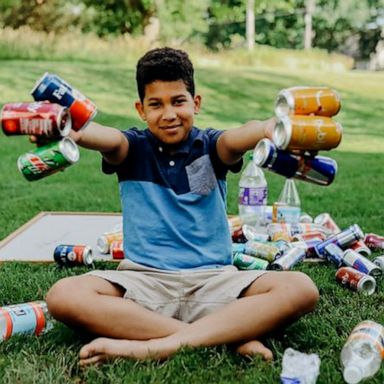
<point>285,214</point>
<point>289,380</point>
<point>253,196</point>
<point>372,331</point>
<point>24,319</point>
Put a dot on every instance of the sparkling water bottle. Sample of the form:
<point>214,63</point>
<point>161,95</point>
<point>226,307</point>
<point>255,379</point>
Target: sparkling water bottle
<point>28,318</point>
<point>253,194</point>
<point>287,208</point>
<point>363,352</point>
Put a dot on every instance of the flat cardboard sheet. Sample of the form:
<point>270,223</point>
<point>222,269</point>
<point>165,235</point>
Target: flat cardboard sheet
<point>37,239</point>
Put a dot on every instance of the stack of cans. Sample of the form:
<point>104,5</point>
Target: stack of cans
<point>57,109</point>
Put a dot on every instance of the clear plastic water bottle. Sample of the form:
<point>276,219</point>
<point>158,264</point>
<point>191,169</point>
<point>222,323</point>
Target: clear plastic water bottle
<point>253,194</point>
<point>363,352</point>
<point>287,209</point>
<point>299,368</point>
<point>30,318</point>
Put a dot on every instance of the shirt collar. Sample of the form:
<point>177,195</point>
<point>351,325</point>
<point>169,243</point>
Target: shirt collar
<point>195,137</point>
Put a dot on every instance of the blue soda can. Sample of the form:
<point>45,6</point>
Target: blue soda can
<point>54,89</point>
<point>357,261</point>
<point>334,254</point>
<point>342,239</point>
<point>319,170</point>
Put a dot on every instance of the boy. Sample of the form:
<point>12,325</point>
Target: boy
<point>178,286</point>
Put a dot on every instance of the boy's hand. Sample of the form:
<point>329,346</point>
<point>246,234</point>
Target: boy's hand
<point>269,126</point>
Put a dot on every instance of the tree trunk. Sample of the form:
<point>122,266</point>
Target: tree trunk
<point>250,24</point>
<point>308,34</point>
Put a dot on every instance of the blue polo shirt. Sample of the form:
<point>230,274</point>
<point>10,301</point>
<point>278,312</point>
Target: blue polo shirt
<point>174,205</point>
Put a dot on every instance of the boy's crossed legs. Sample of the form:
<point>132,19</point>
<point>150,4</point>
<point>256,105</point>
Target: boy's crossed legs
<point>132,331</point>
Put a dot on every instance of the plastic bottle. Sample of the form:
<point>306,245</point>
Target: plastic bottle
<point>363,352</point>
<point>30,318</point>
<point>299,368</point>
<point>287,208</point>
<point>253,194</point>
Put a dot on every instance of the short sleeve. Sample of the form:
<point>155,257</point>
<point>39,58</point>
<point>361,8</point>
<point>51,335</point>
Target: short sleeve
<point>219,166</point>
<point>131,135</point>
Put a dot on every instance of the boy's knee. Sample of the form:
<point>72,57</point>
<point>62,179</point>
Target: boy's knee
<point>305,291</point>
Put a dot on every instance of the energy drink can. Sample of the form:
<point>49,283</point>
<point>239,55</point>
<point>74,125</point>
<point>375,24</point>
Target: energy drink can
<point>343,239</point>
<point>307,133</point>
<point>361,263</point>
<point>334,254</point>
<point>320,170</point>
<point>39,118</point>
<point>320,101</point>
<point>73,255</point>
<point>105,241</point>
<point>379,261</point>
<point>263,250</point>
<point>289,259</point>
<point>117,251</point>
<point>54,89</point>
<point>48,159</point>
<point>374,242</point>
<point>356,280</point>
<point>246,262</point>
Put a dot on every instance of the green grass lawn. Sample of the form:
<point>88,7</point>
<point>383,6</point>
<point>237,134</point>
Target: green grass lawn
<point>230,97</point>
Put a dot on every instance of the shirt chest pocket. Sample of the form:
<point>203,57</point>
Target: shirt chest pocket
<point>201,176</point>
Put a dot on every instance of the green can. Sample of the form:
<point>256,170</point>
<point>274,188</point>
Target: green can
<point>48,159</point>
<point>243,261</point>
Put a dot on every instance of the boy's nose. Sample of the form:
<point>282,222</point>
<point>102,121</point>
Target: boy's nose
<point>169,113</point>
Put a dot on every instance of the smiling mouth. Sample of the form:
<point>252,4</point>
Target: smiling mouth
<point>171,127</point>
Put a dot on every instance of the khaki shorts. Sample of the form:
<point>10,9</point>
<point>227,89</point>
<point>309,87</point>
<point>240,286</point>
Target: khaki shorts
<point>186,295</point>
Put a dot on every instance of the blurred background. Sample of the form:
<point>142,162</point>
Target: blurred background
<point>336,34</point>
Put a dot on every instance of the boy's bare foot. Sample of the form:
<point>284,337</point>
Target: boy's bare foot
<point>254,348</point>
<point>105,349</point>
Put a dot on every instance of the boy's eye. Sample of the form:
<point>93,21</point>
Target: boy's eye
<point>179,101</point>
<point>154,104</point>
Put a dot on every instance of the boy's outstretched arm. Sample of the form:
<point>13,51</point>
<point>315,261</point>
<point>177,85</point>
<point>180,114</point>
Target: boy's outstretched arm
<point>232,144</point>
<point>111,142</point>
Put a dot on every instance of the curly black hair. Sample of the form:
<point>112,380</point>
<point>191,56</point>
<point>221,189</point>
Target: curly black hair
<point>165,64</point>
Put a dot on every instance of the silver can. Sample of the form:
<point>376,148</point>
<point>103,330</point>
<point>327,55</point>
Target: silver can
<point>357,261</point>
<point>379,261</point>
<point>288,260</point>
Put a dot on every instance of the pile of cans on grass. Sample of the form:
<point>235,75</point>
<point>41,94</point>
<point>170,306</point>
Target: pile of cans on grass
<point>281,246</point>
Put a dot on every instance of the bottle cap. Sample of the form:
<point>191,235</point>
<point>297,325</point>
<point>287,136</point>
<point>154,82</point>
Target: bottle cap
<point>352,374</point>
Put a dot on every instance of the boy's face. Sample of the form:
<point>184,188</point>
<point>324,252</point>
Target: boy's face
<point>168,108</point>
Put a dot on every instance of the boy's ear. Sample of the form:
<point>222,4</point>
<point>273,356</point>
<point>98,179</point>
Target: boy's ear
<point>197,101</point>
<point>140,109</point>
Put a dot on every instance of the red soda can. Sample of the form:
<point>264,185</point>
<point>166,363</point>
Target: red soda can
<point>238,236</point>
<point>374,242</point>
<point>356,280</point>
<point>54,89</point>
<point>117,250</point>
<point>327,221</point>
<point>361,248</point>
<point>73,255</point>
<point>309,236</point>
<point>38,118</point>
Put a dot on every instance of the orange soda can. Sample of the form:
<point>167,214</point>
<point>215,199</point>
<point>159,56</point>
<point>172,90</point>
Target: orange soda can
<point>283,235</point>
<point>320,101</point>
<point>105,241</point>
<point>307,133</point>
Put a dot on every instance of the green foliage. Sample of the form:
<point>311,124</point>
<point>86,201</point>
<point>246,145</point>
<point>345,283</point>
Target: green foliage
<point>231,95</point>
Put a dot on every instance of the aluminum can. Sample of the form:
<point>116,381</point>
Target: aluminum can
<point>294,229</point>
<point>305,218</point>
<point>26,318</point>
<point>327,221</point>
<point>374,242</point>
<point>357,261</point>
<point>48,159</point>
<point>117,250</point>
<point>343,239</point>
<point>320,101</point>
<point>234,223</point>
<point>284,213</point>
<point>379,261</point>
<point>246,262</point>
<point>309,236</point>
<point>361,248</point>
<point>311,244</point>
<point>307,133</point>
<point>73,255</point>
<point>238,236</point>
<point>54,89</point>
<point>251,233</point>
<point>289,259</point>
<point>281,236</point>
<point>262,250</point>
<point>356,280</point>
<point>334,254</point>
<point>238,247</point>
<point>38,118</point>
<point>320,170</point>
<point>105,241</point>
